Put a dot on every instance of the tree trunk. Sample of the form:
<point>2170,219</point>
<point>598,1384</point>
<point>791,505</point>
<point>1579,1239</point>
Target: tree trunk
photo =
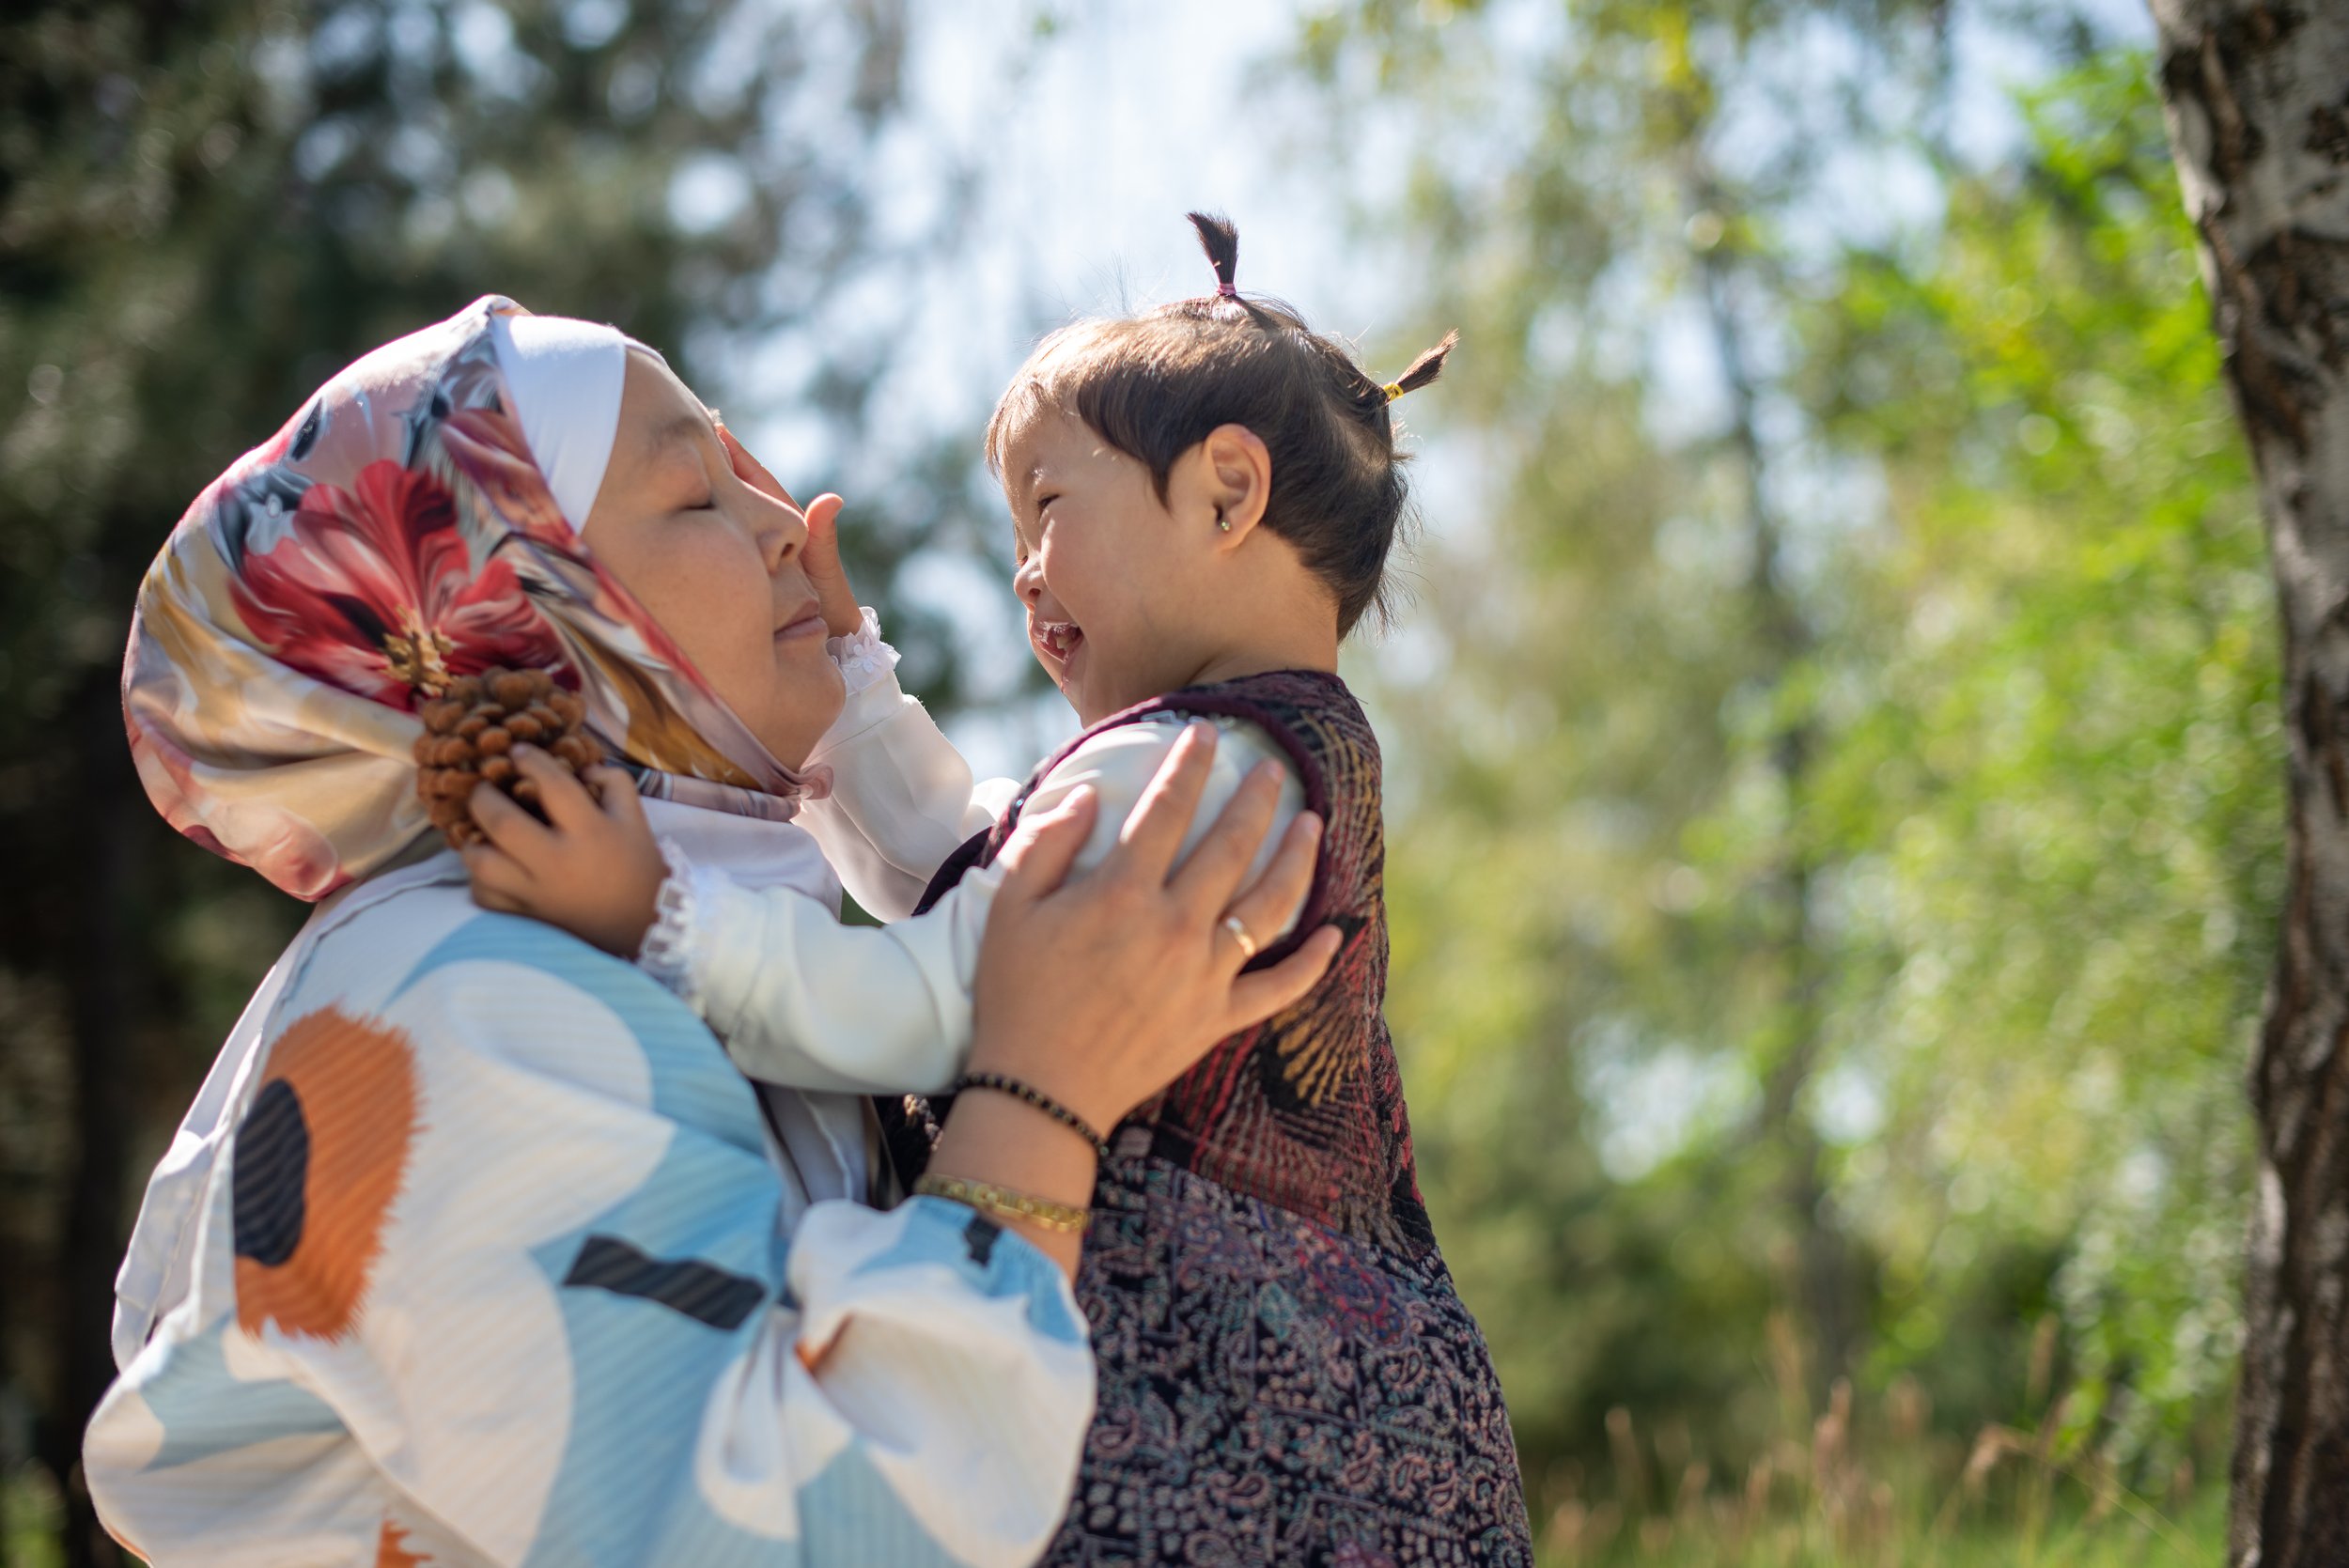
<point>106,970</point>
<point>2258,122</point>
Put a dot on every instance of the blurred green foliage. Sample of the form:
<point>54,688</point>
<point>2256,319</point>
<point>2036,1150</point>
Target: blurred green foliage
<point>204,211</point>
<point>1900,723</point>
<point>2058,772</point>
<point>1834,802</point>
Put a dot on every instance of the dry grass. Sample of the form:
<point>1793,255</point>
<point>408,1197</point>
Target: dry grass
<point>1844,1488</point>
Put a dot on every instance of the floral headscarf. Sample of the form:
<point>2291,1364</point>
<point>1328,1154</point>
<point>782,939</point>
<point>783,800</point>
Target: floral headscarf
<point>395,535</point>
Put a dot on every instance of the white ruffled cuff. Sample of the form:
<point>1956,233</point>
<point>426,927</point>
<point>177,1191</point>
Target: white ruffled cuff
<point>667,951</point>
<point>862,656</point>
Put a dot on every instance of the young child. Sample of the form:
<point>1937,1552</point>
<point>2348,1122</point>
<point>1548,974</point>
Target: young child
<point>1203,498</point>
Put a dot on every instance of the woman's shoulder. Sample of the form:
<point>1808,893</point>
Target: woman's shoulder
<point>466,991</point>
<point>424,921</point>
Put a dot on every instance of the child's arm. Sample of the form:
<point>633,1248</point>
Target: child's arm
<point>902,798</point>
<point>783,986</point>
<point>799,999</point>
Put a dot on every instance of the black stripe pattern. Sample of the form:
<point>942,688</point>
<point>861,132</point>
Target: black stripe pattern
<point>703,1291</point>
<point>271,1165</point>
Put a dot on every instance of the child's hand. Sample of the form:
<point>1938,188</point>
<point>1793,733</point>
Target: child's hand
<point>820,560</point>
<point>592,869</point>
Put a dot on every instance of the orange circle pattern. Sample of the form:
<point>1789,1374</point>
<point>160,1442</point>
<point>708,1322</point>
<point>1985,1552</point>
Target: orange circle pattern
<point>354,1081</point>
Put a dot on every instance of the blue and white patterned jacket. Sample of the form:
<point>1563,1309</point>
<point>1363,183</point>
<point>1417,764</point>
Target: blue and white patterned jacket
<point>476,1250</point>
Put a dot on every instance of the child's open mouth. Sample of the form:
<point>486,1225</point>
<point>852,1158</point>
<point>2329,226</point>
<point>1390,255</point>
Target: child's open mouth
<point>1057,640</point>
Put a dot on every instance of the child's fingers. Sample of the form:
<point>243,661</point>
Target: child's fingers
<point>1256,996</point>
<point>561,796</point>
<point>497,882</point>
<point>510,827</point>
<point>1038,857</point>
<point>616,788</point>
<point>1268,900</point>
<point>1154,834</point>
<point>843,614</point>
<point>750,471</point>
<point>1211,874</point>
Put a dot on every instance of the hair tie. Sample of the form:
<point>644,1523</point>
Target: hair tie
<point>1226,291</point>
<point>1393,390</point>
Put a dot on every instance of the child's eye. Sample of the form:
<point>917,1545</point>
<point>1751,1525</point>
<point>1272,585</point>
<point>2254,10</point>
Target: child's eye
<point>1043,502</point>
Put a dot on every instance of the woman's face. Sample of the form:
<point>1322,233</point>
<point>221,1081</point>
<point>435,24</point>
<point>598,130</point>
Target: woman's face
<point>717,563</point>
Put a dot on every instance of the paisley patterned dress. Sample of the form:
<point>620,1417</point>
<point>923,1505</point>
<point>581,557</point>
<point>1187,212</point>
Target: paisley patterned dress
<point>1287,1373</point>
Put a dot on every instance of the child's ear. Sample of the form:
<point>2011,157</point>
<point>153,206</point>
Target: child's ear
<point>1236,481</point>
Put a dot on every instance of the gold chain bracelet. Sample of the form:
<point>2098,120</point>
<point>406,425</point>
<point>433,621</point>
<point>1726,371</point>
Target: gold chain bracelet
<point>1004,1201</point>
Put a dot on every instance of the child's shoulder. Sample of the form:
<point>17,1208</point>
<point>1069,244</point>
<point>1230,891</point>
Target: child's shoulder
<point>1307,719</point>
<point>1308,713</point>
<point>1273,696</point>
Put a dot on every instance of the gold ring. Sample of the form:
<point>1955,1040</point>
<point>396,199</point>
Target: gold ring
<point>1239,935</point>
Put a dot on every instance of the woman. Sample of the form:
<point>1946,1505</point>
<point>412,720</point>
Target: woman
<point>474,1249</point>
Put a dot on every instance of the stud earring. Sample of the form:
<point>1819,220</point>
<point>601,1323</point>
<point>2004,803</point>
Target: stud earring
<point>1221,522</point>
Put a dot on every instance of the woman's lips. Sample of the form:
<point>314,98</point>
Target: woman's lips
<point>807,622</point>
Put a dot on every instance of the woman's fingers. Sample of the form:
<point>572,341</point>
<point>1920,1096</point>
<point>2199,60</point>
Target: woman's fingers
<point>510,827</point>
<point>561,796</point>
<point>1267,902</point>
<point>1154,834</point>
<point>1043,847</point>
<point>1211,874</point>
<point>1257,996</point>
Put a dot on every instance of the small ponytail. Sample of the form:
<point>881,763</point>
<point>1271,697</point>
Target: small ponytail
<point>1421,370</point>
<point>1221,240</point>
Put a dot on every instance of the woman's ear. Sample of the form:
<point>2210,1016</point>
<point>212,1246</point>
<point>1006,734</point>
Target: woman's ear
<point>1233,477</point>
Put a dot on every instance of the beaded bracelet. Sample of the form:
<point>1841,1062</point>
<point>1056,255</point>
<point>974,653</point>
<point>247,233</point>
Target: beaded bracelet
<point>1004,1083</point>
<point>1004,1201</point>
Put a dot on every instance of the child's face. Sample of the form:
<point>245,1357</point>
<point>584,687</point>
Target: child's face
<point>716,562</point>
<point>1114,584</point>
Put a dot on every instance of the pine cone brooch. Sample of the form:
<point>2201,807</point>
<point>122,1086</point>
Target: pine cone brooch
<point>470,729</point>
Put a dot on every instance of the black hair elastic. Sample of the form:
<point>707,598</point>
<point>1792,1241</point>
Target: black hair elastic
<point>1004,1083</point>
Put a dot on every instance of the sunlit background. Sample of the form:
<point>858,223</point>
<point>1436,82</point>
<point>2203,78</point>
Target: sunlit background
<point>1832,778</point>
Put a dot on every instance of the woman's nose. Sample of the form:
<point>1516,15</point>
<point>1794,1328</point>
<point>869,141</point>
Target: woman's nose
<point>782,531</point>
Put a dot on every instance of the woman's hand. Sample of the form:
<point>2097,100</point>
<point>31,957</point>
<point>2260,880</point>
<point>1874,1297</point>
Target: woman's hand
<point>592,867</point>
<point>1102,992</point>
<point>820,559</point>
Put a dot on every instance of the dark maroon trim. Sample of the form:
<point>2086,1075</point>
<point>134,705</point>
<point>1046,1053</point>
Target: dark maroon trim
<point>969,856</point>
<point>1217,700</point>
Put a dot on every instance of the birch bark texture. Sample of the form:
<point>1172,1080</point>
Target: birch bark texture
<point>2257,98</point>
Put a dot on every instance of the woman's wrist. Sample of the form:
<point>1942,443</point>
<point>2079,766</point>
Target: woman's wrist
<point>1059,1070</point>
<point>999,1141</point>
<point>1036,1100</point>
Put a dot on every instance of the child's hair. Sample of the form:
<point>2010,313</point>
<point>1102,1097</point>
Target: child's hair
<point>1155,385</point>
